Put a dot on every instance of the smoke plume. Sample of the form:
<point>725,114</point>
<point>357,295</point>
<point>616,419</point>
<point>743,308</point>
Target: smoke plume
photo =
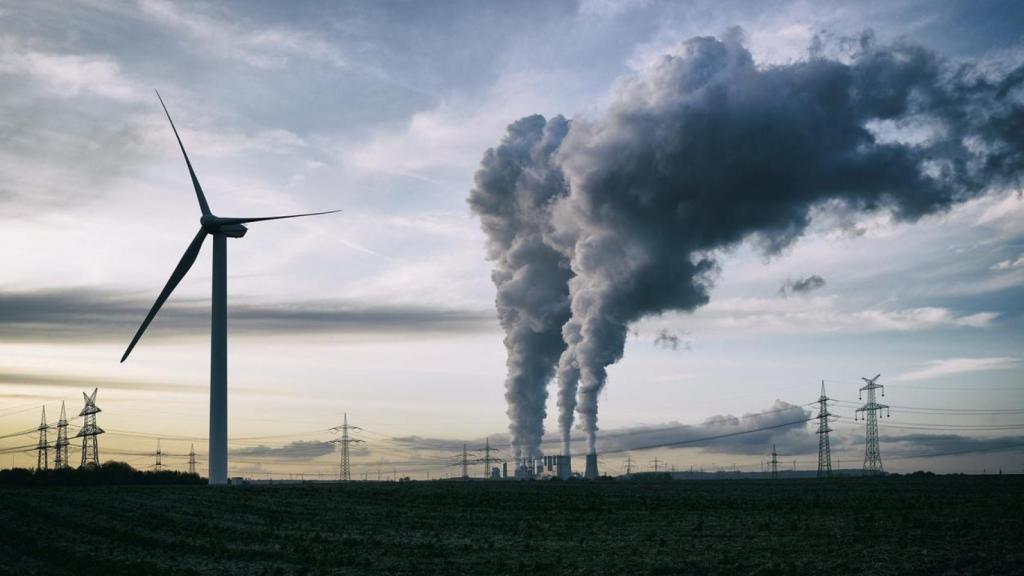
<point>801,286</point>
<point>705,149</point>
<point>515,189</point>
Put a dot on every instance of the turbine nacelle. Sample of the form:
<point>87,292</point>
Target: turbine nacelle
<point>227,226</point>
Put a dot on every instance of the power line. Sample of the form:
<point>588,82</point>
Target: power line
<point>25,432</point>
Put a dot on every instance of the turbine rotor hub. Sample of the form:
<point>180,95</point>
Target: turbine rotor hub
<point>213,225</point>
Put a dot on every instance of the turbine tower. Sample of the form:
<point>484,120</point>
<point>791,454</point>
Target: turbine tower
<point>824,450</point>
<point>221,229</point>
<point>872,453</point>
<point>60,456</point>
<point>89,431</point>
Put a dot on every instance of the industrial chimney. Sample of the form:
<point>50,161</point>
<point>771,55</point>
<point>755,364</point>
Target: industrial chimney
<point>591,473</point>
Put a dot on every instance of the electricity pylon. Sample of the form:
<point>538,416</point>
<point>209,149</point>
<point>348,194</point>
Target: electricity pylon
<point>88,433</point>
<point>629,465</point>
<point>60,456</point>
<point>158,465</point>
<point>872,453</point>
<point>192,459</point>
<point>824,450</point>
<point>344,469</point>
<point>487,459</point>
<point>656,462</point>
<point>43,447</point>
<point>775,463</point>
<point>465,463</point>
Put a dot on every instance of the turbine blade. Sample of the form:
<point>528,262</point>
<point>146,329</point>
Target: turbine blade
<point>180,270</point>
<point>248,220</point>
<point>195,181</point>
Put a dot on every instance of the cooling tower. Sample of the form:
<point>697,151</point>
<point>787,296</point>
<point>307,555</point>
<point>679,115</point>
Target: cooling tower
<point>564,463</point>
<point>591,473</point>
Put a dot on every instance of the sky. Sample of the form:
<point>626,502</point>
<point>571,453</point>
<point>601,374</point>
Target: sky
<point>385,311</point>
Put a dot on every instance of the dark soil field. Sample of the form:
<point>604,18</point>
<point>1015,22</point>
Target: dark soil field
<point>896,525</point>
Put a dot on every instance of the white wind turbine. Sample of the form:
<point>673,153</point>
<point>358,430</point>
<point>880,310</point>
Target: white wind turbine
<point>221,229</point>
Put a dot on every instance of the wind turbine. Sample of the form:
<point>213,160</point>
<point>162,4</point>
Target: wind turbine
<point>221,229</point>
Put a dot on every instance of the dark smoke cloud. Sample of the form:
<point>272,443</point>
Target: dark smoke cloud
<point>669,340</point>
<point>515,188</point>
<point>801,286</point>
<point>705,150</point>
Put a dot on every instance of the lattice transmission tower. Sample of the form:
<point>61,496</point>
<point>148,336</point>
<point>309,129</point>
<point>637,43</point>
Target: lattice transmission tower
<point>158,465</point>
<point>487,460</point>
<point>89,431</point>
<point>346,440</point>
<point>60,448</point>
<point>872,453</point>
<point>775,463</point>
<point>465,463</point>
<point>824,450</point>
<point>192,459</point>
<point>43,446</point>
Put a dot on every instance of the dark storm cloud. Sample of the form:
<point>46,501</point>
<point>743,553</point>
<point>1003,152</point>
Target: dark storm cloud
<point>35,379</point>
<point>705,150</point>
<point>782,423</point>
<point>753,433</point>
<point>801,286</point>
<point>448,446</point>
<point>86,314</point>
<point>927,445</point>
<point>515,188</point>
<point>299,450</point>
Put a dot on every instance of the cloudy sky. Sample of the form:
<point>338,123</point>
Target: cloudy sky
<point>386,310</point>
